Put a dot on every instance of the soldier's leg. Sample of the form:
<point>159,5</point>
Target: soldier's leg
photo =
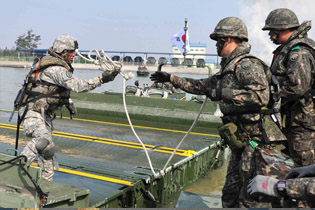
<point>248,171</point>
<point>233,183</point>
<point>41,143</point>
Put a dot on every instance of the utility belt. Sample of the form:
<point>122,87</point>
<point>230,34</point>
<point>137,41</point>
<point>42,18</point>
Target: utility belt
<point>235,134</point>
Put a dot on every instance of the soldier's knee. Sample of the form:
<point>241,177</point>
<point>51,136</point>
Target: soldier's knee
<point>45,148</point>
<point>41,144</point>
<point>49,153</point>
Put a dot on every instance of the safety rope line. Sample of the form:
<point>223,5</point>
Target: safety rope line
<point>179,144</point>
<point>106,63</point>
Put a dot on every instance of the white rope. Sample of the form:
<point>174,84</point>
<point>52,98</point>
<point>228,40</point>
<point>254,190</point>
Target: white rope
<point>162,172</point>
<point>106,63</point>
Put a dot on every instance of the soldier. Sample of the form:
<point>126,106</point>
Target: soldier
<point>242,88</point>
<point>294,65</point>
<point>299,184</point>
<point>49,87</point>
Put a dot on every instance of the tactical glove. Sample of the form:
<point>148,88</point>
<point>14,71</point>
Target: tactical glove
<point>263,185</point>
<point>215,94</point>
<point>72,109</point>
<point>160,76</point>
<point>108,76</point>
<point>306,171</point>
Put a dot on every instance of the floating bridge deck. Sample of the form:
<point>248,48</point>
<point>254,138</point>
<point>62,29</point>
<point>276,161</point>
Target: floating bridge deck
<point>106,158</point>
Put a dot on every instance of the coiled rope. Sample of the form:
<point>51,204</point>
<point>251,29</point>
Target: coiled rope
<point>106,63</point>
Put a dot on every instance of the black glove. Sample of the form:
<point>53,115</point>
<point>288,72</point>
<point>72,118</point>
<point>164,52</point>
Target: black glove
<point>160,76</point>
<point>108,76</point>
<point>306,171</point>
<point>215,94</point>
<point>72,110</point>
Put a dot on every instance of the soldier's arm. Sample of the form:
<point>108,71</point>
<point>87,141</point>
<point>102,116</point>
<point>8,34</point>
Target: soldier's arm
<point>59,76</point>
<point>194,86</point>
<point>254,91</point>
<point>299,66</point>
<point>301,188</point>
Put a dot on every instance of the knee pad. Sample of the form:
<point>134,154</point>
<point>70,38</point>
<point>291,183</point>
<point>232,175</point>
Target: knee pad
<point>49,153</point>
<point>41,144</point>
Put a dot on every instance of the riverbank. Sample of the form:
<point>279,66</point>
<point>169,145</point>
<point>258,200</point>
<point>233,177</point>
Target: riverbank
<point>126,67</point>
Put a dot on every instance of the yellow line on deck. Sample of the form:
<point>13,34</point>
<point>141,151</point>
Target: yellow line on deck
<point>101,140</point>
<point>93,176</point>
<point>136,126</point>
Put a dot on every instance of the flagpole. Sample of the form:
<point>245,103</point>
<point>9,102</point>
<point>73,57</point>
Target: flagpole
<point>185,29</point>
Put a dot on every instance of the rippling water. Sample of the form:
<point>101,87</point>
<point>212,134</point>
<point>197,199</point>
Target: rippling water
<point>11,80</point>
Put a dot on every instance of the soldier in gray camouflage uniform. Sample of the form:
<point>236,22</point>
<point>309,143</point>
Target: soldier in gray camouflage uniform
<point>299,185</point>
<point>49,89</point>
<point>242,88</point>
<point>294,65</point>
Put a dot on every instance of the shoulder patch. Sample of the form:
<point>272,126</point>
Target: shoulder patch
<point>246,65</point>
<point>295,48</point>
<point>294,56</point>
<point>69,74</point>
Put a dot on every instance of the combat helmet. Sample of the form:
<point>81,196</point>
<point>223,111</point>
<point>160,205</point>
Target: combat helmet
<point>281,19</point>
<point>230,27</point>
<point>65,42</point>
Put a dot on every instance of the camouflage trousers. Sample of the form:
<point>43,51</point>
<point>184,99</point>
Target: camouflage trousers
<point>38,128</point>
<point>233,183</point>
<point>301,143</point>
<point>243,167</point>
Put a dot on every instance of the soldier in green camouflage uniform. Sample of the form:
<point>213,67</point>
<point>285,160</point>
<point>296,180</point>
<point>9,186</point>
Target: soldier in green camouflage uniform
<point>242,88</point>
<point>49,89</point>
<point>299,185</point>
<point>294,66</point>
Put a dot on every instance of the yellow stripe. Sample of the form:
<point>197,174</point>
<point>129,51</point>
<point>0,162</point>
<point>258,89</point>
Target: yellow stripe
<point>136,126</point>
<point>134,145</point>
<point>93,176</point>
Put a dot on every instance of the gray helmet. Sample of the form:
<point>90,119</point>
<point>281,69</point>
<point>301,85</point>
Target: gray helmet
<point>64,42</point>
<point>230,27</point>
<point>281,19</point>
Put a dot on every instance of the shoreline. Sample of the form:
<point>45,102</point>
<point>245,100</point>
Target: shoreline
<point>151,68</point>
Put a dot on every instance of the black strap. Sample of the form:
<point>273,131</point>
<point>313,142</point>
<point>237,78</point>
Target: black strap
<point>19,121</point>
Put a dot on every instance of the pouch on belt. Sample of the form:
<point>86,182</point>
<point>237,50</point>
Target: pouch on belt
<point>227,133</point>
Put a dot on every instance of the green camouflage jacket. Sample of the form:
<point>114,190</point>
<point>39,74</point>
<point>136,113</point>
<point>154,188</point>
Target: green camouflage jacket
<point>244,87</point>
<point>294,66</point>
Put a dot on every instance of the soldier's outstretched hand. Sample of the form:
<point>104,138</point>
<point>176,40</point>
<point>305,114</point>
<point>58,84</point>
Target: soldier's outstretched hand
<point>108,76</point>
<point>160,76</point>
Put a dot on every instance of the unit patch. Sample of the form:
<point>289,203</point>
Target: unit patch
<point>294,56</point>
<point>246,65</point>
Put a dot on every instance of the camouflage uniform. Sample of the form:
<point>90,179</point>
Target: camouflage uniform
<point>245,90</point>
<point>294,66</point>
<point>301,189</point>
<point>54,79</point>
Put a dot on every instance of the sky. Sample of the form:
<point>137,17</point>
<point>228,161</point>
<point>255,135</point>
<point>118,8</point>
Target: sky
<point>140,25</point>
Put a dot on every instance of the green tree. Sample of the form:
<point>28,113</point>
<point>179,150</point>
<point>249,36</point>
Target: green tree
<point>29,41</point>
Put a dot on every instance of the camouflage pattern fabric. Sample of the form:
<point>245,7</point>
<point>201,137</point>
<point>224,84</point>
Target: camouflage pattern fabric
<point>37,128</point>
<point>64,42</point>
<point>302,189</point>
<point>244,87</point>
<point>230,27</point>
<point>37,123</point>
<point>281,19</point>
<point>294,66</point>
<point>233,183</point>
